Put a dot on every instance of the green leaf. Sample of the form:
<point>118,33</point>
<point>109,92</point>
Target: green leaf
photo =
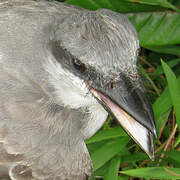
<point>154,173</point>
<point>157,28</point>
<point>88,4</point>
<point>94,146</point>
<point>162,3</point>
<point>159,69</point>
<point>123,178</point>
<point>112,173</point>
<point>161,109</point>
<point>102,170</point>
<point>163,101</point>
<point>139,156</point>
<point>105,4</point>
<point>174,90</point>
<point>107,151</point>
<point>169,49</point>
<point>116,5</point>
<point>161,121</point>
<point>106,134</point>
<point>177,141</point>
<point>126,6</point>
<point>173,154</point>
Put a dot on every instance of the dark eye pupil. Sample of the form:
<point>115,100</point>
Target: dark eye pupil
<point>79,65</point>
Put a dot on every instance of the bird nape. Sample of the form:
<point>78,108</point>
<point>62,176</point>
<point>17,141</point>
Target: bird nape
<point>62,70</point>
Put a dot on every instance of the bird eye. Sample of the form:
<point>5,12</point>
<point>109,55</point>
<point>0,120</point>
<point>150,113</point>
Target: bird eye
<point>79,65</point>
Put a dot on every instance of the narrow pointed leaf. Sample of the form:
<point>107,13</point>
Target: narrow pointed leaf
<point>154,173</point>
<point>161,109</point>
<point>174,90</point>
<point>177,141</point>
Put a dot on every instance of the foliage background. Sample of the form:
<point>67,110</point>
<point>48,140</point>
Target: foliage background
<point>115,156</point>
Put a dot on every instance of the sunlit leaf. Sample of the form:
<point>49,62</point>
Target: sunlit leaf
<point>154,173</point>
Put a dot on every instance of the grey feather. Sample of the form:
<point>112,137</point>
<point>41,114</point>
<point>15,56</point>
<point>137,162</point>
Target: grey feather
<point>41,137</point>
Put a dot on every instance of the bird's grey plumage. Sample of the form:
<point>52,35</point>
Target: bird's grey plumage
<point>46,109</point>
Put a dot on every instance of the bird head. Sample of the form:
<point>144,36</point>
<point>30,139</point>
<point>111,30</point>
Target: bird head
<point>96,67</point>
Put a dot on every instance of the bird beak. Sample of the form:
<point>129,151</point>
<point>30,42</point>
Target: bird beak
<point>133,113</point>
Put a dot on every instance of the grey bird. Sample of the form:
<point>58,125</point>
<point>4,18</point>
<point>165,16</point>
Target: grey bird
<point>62,70</point>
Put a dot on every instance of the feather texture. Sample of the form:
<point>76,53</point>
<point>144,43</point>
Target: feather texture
<point>40,137</point>
<point>46,109</point>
